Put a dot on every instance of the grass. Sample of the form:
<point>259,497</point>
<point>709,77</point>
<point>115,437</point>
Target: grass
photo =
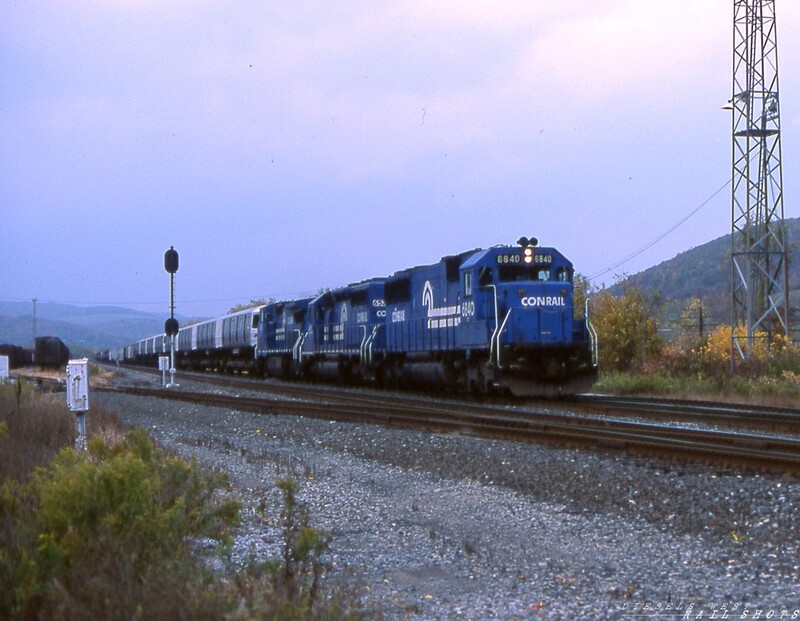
<point>783,390</point>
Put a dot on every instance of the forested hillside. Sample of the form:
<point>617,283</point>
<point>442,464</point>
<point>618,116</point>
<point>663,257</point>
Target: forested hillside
<point>704,272</point>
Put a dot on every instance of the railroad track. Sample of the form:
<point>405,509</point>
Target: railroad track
<point>717,446</point>
<point>705,412</point>
<point>710,445</point>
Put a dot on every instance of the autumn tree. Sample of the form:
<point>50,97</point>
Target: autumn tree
<point>627,327</point>
<point>581,291</point>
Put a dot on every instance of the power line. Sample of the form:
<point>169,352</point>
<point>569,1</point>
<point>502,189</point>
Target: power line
<point>281,296</point>
<point>635,254</point>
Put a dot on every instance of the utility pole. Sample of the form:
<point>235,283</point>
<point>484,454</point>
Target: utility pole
<point>759,262</point>
<point>34,300</point>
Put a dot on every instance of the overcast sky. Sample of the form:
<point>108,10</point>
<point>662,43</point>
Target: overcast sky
<point>282,147</point>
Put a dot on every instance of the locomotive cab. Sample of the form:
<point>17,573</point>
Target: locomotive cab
<point>519,301</point>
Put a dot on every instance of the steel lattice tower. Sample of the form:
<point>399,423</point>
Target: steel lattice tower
<point>759,263</point>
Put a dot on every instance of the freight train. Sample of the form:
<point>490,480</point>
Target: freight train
<point>496,320</point>
<point>17,355</point>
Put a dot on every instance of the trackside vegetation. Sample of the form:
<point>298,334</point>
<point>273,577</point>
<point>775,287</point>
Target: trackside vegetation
<point>123,530</point>
<point>635,359</point>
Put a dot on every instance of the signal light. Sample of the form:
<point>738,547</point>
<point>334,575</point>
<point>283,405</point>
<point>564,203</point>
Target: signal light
<point>171,260</point>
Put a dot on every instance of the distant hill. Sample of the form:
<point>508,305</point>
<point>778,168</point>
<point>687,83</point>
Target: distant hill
<point>705,272</point>
<point>84,330</point>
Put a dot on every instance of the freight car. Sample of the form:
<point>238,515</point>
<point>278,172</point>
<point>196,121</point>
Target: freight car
<point>17,355</point>
<point>497,320</point>
<point>49,352</point>
<point>226,343</point>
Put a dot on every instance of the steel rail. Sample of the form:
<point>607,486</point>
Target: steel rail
<point>751,450</point>
<point>740,415</point>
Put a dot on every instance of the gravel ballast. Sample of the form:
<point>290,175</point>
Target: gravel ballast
<point>429,526</point>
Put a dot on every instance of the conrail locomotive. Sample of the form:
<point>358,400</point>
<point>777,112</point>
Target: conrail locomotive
<point>499,320</point>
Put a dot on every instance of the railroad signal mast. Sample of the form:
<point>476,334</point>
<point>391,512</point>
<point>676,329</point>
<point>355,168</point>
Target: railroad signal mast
<point>759,261</point>
<point>171,264</point>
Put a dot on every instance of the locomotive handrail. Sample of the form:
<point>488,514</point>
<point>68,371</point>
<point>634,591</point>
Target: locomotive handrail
<point>362,350</point>
<point>496,327</point>
<point>297,348</point>
<point>499,332</point>
<point>371,342</point>
<point>592,337</point>
<point>375,331</point>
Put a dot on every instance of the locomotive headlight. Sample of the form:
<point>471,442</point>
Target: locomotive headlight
<point>528,255</point>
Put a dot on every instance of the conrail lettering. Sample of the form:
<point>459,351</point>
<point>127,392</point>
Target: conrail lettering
<point>544,300</point>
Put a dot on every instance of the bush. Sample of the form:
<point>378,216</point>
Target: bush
<point>713,357</point>
<point>116,532</point>
<point>108,534</point>
<point>676,359</point>
<point>291,590</point>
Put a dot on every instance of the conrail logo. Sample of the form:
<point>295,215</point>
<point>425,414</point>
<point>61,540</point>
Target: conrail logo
<point>442,317</point>
<point>544,300</point>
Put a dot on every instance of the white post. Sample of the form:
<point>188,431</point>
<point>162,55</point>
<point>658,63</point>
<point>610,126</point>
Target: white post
<point>78,396</point>
<point>163,365</point>
<point>172,361</point>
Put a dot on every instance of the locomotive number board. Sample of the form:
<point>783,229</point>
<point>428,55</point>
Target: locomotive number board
<point>535,259</point>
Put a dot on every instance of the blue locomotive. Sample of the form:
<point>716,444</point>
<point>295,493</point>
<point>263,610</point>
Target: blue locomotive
<point>499,320</point>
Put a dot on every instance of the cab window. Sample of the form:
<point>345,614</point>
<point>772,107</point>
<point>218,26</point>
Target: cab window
<point>522,273</point>
<point>467,283</point>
